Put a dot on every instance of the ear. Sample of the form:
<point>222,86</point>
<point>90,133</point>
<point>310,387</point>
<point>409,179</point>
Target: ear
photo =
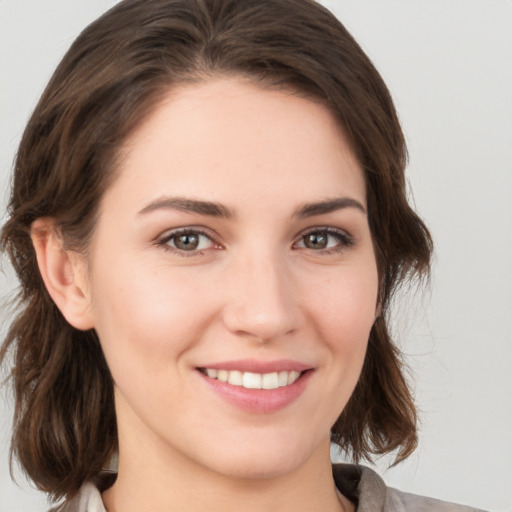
<point>64,274</point>
<point>378,309</point>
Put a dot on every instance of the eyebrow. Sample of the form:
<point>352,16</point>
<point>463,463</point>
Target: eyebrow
<point>328,206</point>
<point>189,205</point>
<point>214,209</point>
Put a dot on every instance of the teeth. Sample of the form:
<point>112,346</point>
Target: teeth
<point>251,380</point>
<point>292,377</point>
<point>235,378</point>
<point>283,378</point>
<point>269,381</point>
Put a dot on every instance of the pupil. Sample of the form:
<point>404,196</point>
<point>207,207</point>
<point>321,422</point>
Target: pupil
<point>187,242</point>
<point>316,241</point>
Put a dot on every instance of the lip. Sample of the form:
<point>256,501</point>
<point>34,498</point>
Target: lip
<point>250,365</point>
<point>258,401</point>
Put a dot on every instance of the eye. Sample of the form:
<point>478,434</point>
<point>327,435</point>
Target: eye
<point>187,240</point>
<point>325,239</point>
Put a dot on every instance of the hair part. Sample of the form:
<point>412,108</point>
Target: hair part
<point>111,79</point>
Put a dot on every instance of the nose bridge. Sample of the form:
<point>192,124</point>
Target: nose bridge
<point>261,300</point>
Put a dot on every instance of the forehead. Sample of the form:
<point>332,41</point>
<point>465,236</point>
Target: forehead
<point>229,137</point>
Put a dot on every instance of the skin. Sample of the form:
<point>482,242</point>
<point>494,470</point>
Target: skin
<point>255,289</point>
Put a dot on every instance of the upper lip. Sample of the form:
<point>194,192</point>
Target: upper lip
<point>255,366</point>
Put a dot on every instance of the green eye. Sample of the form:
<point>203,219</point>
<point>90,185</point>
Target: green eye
<point>188,240</point>
<point>325,240</point>
<point>316,240</point>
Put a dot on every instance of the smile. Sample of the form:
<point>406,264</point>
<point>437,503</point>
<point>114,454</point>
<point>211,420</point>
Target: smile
<point>257,387</point>
<point>250,380</point>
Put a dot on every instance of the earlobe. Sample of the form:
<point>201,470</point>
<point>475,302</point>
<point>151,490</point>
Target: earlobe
<point>63,273</point>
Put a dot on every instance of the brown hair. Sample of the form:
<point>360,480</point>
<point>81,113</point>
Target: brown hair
<point>110,79</point>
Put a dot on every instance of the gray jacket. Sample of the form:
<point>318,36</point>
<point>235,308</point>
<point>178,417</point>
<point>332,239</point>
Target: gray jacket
<point>366,488</point>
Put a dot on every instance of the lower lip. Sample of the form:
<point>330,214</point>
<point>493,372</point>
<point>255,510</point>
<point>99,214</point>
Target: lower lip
<point>259,401</point>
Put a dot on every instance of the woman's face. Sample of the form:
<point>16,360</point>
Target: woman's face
<point>234,244</point>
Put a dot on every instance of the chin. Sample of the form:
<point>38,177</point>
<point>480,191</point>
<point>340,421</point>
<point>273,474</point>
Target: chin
<point>263,461</point>
<point>258,469</point>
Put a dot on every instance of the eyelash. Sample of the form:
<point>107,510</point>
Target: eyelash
<point>345,241</point>
<point>163,241</point>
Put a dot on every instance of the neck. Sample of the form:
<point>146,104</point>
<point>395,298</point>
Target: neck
<point>177,483</point>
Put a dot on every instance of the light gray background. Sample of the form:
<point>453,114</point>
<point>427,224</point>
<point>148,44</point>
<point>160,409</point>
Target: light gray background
<point>448,64</point>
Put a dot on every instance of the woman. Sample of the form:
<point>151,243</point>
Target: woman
<point>208,220</point>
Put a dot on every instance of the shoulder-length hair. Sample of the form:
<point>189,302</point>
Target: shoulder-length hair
<point>112,77</point>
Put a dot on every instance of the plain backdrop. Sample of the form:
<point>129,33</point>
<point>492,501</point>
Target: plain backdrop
<point>448,64</point>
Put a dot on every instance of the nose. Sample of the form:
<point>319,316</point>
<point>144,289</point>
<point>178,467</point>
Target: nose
<point>261,302</point>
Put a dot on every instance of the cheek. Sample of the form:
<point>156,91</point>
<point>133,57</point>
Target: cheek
<point>344,311</point>
<point>147,315</point>
<point>346,305</point>
<point>341,312</point>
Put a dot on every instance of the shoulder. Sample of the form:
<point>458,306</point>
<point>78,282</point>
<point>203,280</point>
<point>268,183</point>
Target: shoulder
<point>398,501</point>
<point>373,495</point>
<point>88,499</point>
